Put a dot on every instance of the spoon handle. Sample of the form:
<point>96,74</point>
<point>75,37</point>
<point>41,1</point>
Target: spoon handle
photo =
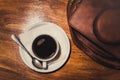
<point>17,40</point>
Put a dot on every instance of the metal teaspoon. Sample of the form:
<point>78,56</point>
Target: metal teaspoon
<point>35,62</point>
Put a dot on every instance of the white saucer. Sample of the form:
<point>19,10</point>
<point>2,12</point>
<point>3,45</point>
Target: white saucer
<point>53,30</point>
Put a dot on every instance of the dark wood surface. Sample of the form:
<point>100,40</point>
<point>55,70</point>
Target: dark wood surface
<point>15,16</point>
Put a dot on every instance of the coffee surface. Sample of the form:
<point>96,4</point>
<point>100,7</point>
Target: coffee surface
<point>44,46</point>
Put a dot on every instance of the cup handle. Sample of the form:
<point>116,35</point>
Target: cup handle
<point>44,65</point>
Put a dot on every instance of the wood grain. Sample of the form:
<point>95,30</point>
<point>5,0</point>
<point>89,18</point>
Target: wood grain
<point>15,16</point>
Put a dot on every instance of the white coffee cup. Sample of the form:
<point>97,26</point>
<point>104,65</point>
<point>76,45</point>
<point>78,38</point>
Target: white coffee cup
<point>45,48</point>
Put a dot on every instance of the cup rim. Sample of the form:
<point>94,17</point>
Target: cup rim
<point>49,58</point>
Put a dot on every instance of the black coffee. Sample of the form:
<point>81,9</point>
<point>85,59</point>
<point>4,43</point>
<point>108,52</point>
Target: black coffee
<point>44,46</point>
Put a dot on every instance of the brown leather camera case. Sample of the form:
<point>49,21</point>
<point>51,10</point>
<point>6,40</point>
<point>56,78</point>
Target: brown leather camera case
<point>95,28</point>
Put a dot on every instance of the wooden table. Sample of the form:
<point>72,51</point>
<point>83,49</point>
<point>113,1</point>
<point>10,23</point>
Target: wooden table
<point>15,16</point>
